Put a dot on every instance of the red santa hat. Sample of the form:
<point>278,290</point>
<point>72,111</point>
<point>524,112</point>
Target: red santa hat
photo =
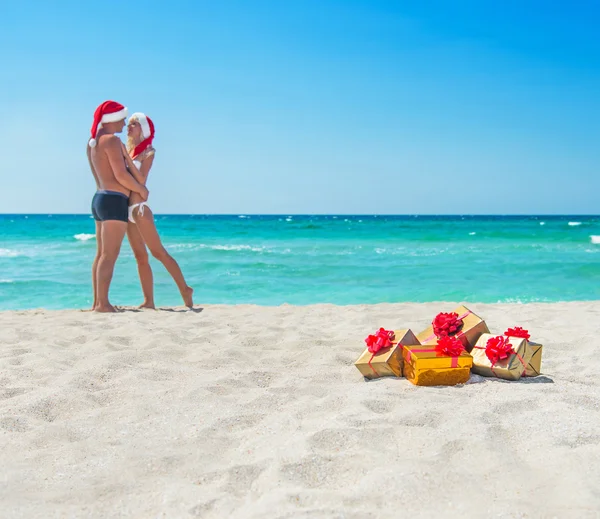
<point>107,112</point>
<point>147,132</point>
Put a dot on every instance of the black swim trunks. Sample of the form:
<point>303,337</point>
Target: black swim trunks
<point>110,205</point>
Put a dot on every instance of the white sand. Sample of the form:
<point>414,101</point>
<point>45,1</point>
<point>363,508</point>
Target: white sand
<point>243,411</point>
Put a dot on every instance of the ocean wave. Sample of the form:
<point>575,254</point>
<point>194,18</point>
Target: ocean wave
<point>84,237</point>
<point>6,281</point>
<point>574,224</point>
<point>201,246</point>
<point>472,233</point>
<point>595,239</point>
<point>542,223</point>
<point>525,300</point>
<point>235,247</point>
<point>9,253</point>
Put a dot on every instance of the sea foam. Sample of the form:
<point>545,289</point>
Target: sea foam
<point>84,237</point>
<point>9,253</point>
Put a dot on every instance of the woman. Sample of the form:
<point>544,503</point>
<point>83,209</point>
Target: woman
<point>141,230</point>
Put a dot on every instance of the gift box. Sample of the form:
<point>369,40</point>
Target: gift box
<point>431,366</point>
<point>464,325</point>
<point>534,365</point>
<point>501,356</point>
<point>387,362</point>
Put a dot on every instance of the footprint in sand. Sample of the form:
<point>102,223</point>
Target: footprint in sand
<point>241,478</point>
<point>314,472</point>
<point>202,509</point>
<point>514,406</point>
<point>418,419</point>
<point>379,406</point>
<point>12,392</point>
<point>333,439</point>
<point>14,424</point>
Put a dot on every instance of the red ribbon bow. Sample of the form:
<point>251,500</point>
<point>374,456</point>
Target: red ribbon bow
<point>446,324</point>
<point>380,340</point>
<point>519,332</point>
<point>498,348</point>
<point>449,346</point>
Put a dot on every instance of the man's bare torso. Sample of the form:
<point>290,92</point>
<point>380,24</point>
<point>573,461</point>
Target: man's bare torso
<point>101,167</point>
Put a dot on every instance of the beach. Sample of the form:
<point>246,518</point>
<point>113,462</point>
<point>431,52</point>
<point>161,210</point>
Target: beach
<point>244,411</point>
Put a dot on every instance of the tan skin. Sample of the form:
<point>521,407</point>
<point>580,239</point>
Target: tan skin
<point>143,232</point>
<point>108,167</point>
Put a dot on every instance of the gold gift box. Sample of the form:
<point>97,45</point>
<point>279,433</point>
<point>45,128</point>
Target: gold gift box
<point>423,366</point>
<point>473,327</point>
<point>534,366</point>
<point>511,368</point>
<point>388,361</point>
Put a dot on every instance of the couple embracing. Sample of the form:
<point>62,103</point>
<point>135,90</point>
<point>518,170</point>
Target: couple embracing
<point>120,204</point>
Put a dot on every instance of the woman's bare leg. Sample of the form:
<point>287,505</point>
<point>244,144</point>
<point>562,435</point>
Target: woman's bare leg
<point>95,263</point>
<point>144,270</point>
<point>150,235</point>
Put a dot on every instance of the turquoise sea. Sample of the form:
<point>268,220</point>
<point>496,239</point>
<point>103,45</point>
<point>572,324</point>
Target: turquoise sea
<point>45,260</point>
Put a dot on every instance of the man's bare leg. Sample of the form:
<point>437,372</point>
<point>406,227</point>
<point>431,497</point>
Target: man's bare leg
<point>113,232</point>
<point>95,264</point>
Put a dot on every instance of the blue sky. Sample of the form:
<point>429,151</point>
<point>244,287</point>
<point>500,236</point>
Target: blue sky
<point>306,106</point>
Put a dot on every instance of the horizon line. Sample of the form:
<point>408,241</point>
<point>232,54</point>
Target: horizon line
<point>545,215</point>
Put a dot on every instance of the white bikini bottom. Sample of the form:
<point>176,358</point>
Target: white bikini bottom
<point>141,206</point>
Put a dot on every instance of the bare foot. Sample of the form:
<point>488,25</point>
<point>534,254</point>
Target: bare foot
<point>187,297</point>
<point>149,305</point>
<point>105,309</point>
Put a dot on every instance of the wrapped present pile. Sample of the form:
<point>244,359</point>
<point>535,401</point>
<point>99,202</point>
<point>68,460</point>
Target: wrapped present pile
<point>446,352</point>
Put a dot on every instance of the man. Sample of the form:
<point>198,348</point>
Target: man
<point>109,205</point>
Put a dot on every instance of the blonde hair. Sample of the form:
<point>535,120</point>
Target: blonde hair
<point>131,144</point>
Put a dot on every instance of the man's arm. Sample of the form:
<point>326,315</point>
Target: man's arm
<point>117,163</point>
<point>89,156</point>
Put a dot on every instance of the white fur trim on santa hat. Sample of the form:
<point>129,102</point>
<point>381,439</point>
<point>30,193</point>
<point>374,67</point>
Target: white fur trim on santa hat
<point>114,117</point>
<point>109,118</point>
<point>143,120</point>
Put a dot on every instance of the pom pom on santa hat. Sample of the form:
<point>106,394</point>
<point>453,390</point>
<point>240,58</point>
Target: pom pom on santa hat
<point>147,127</point>
<point>107,112</point>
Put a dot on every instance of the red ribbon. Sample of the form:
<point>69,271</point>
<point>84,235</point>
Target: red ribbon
<point>499,348</point>
<point>450,347</point>
<point>380,340</point>
<point>519,332</point>
<point>458,318</point>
